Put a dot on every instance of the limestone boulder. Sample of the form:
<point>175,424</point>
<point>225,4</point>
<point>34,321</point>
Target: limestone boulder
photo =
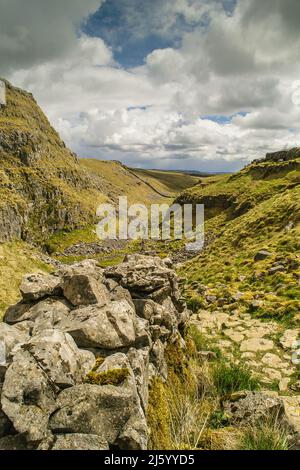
<point>109,327</point>
<point>37,286</point>
<point>253,408</point>
<point>47,308</point>
<point>84,290</point>
<point>57,355</point>
<point>28,397</point>
<point>86,267</point>
<point>141,275</point>
<point>93,409</point>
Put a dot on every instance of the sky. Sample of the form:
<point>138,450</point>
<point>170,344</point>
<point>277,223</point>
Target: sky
<point>185,84</point>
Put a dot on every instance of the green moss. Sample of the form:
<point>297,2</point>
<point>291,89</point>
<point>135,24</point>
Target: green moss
<point>167,401</point>
<point>109,377</point>
<point>158,416</point>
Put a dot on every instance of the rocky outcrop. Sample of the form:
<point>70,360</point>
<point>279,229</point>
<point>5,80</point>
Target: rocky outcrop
<point>43,187</point>
<point>81,349</point>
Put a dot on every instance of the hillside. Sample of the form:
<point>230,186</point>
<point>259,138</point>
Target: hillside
<point>167,182</point>
<point>257,209</point>
<point>145,186</point>
<point>42,186</point>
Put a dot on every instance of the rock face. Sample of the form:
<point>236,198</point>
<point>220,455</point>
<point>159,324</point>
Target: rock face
<point>80,351</point>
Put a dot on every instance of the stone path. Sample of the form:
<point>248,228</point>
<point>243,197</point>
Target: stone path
<point>267,348</point>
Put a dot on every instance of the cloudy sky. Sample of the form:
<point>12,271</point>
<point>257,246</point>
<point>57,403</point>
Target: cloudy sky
<point>197,84</point>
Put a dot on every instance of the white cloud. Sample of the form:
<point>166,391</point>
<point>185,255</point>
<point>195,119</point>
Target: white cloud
<point>34,31</point>
<point>244,62</point>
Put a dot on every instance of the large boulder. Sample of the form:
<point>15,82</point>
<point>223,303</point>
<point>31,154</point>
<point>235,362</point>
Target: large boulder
<point>37,286</point>
<point>110,411</point>
<point>142,275</point>
<point>253,408</point>
<point>84,290</point>
<point>58,356</point>
<point>28,397</point>
<point>109,327</point>
<point>49,307</point>
<point>43,366</point>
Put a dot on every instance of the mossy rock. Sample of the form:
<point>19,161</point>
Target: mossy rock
<point>110,377</point>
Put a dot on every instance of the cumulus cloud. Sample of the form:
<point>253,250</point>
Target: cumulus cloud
<point>35,31</point>
<point>239,62</point>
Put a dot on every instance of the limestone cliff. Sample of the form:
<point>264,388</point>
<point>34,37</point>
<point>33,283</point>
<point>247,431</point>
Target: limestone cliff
<point>43,188</point>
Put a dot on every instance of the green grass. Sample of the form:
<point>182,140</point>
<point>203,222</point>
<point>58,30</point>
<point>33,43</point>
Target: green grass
<point>16,259</point>
<point>202,342</point>
<point>61,240</point>
<point>229,378</point>
<point>270,204</point>
<point>170,182</point>
<point>265,437</point>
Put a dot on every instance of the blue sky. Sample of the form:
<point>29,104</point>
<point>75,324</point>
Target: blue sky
<point>112,22</point>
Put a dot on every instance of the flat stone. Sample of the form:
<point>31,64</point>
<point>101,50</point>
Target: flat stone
<point>257,344</point>
<point>248,355</point>
<point>37,286</point>
<point>235,336</point>
<point>272,374</point>
<point>284,384</point>
<point>272,360</point>
<point>258,332</point>
<point>289,339</point>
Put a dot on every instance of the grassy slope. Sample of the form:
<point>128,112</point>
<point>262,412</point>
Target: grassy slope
<point>167,182</point>
<point>39,177</point>
<point>258,208</point>
<point>131,182</point>
<point>16,259</point>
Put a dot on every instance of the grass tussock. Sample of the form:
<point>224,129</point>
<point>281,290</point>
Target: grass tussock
<point>230,377</point>
<point>268,436</point>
